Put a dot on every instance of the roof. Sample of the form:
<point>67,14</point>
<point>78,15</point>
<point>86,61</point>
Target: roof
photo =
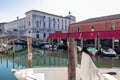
<point>45,13</point>
<point>103,18</point>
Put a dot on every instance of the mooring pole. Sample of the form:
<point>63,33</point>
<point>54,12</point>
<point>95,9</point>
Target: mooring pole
<point>13,44</point>
<point>2,43</point>
<point>29,48</point>
<point>71,59</point>
<point>7,44</point>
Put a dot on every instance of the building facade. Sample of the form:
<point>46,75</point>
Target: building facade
<point>105,23</point>
<point>38,24</point>
<point>2,28</point>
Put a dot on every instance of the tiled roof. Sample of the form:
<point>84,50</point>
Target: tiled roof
<point>97,19</point>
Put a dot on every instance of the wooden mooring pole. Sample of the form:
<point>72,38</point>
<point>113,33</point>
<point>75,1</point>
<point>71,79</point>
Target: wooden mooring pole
<point>13,44</point>
<point>72,58</point>
<point>6,41</point>
<point>29,48</point>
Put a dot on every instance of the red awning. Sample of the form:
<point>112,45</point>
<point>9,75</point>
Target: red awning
<point>53,36</point>
<point>58,36</point>
<point>63,36</point>
<point>76,35</point>
<point>89,35</point>
<point>110,34</point>
<point>116,34</point>
<point>106,35</point>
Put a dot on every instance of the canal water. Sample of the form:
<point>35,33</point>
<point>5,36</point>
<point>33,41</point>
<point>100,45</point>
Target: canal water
<point>18,60</point>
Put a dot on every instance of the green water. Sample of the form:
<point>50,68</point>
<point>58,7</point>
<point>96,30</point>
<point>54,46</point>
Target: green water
<point>18,60</point>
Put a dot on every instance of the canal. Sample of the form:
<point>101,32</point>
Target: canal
<point>18,60</point>
<point>42,58</point>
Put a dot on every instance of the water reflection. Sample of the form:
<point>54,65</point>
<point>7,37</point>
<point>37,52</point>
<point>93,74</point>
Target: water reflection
<point>13,66</point>
<point>7,61</point>
<point>19,60</point>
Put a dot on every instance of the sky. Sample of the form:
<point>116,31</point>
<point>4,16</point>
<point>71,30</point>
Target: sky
<point>81,9</point>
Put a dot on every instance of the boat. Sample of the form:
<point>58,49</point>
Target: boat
<point>51,73</point>
<point>86,71</point>
<point>107,52</point>
<point>92,51</point>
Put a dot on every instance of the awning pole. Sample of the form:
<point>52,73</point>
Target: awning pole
<point>99,44</point>
<point>81,42</point>
<point>113,43</point>
<point>95,42</point>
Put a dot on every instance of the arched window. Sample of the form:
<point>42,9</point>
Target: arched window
<point>92,28</point>
<point>112,26</point>
<point>78,29</point>
<point>72,29</point>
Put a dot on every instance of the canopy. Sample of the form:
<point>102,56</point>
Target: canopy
<point>76,35</point>
<point>110,34</point>
<point>89,35</point>
<point>58,36</point>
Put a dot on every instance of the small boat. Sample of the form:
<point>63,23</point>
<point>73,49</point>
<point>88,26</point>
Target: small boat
<point>107,52</point>
<point>52,73</point>
<point>92,51</point>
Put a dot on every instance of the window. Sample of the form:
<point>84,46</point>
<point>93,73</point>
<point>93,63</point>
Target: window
<point>0,30</point>
<point>54,22</point>
<point>58,23</point>
<point>112,27</point>
<point>44,35</point>
<point>44,18</point>
<point>37,31</point>
<point>44,24</point>
<point>49,19</point>
<point>65,27</point>
<point>78,29</point>
<point>92,28</point>
<point>29,23</point>
<point>37,23</point>
<point>62,26</point>
<point>29,31</point>
<point>49,26</point>
<point>58,26</point>
<point>40,23</point>
<point>72,29</point>
<point>37,36</point>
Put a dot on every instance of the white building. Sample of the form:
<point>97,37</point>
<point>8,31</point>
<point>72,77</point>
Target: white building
<point>38,24</point>
<point>2,27</point>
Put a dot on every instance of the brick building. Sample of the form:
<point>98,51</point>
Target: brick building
<point>104,23</point>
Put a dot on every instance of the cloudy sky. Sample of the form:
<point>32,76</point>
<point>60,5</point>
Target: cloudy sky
<point>82,9</point>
